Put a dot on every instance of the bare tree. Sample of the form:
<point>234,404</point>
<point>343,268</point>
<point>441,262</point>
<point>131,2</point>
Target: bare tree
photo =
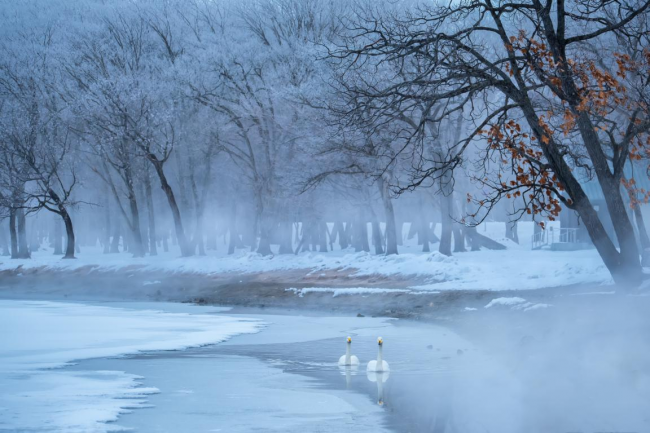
<point>541,108</point>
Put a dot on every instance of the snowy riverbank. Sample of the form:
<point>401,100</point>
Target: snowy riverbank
<point>517,268</point>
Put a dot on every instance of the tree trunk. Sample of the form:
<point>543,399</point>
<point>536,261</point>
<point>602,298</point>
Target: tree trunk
<point>389,211</point>
<point>321,226</point>
<point>165,242</point>
<point>624,266</point>
<point>446,212</point>
<point>151,214</point>
<point>334,235</point>
<point>511,231</point>
<point>176,213</point>
<point>643,236</point>
<point>12,234</point>
<point>446,223</point>
<point>197,238</point>
<point>35,240</point>
<point>115,242</point>
<point>608,252</point>
<point>361,234</point>
<point>457,230</point>
<point>423,234</point>
<point>349,233</point>
<point>58,235</point>
<point>107,226</point>
<point>235,241</point>
<point>342,233</point>
<point>264,246</point>
<point>477,240</point>
<point>474,240</point>
<point>212,237</point>
<point>377,238</point>
<point>459,239</point>
<point>311,232</point>
<point>21,228</point>
<point>69,231</point>
<point>6,247</point>
<point>286,241</point>
<point>144,225</point>
<point>135,247</point>
<point>628,266</point>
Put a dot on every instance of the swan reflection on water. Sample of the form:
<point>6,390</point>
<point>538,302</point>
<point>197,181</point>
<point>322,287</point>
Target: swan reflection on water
<point>378,371</point>
<point>380,377</point>
<point>348,371</point>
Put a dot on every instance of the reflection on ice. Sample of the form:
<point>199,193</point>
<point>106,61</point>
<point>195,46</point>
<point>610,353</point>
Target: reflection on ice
<point>348,371</point>
<point>380,377</point>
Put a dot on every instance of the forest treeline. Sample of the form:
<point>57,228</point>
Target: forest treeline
<point>149,123</point>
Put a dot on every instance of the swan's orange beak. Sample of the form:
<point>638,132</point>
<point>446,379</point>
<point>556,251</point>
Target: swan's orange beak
<point>380,341</point>
<point>349,340</point>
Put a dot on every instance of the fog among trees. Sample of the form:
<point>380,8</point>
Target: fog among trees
<point>285,126</point>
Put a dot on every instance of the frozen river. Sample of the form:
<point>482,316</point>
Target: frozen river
<point>277,371</point>
<point>286,378</point>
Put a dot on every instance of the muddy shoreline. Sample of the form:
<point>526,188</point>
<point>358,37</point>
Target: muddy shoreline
<point>264,289</point>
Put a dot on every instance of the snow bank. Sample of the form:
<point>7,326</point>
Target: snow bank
<point>347,291</point>
<point>45,335</point>
<point>518,267</point>
<point>516,303</point>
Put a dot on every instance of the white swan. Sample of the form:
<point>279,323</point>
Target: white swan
<point>378,365</point>
<point>348,358</point>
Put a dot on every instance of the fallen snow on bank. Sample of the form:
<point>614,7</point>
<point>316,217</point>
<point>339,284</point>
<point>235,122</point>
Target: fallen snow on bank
<point>516,303</point>
<point>518,267</point>
<point>39,336</point>
<point>347,291</point>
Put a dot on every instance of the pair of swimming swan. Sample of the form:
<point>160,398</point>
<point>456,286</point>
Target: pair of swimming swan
<point>377,365</point>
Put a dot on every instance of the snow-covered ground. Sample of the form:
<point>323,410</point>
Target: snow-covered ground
<point>38,337</point>
<point>518,267</point>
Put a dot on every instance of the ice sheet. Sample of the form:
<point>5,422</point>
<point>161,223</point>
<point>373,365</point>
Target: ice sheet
<point>37,337</point>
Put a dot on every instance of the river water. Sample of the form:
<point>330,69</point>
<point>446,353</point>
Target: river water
<point>514,376</point>
<point>286,378</point>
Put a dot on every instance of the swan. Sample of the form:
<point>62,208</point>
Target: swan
<point>378,365</point>
<point>348,358</point>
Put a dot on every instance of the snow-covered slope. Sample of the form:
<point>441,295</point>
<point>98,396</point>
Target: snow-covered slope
<point>517,267</point>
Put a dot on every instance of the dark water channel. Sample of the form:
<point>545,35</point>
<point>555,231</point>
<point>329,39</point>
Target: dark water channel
<point>286,378</point>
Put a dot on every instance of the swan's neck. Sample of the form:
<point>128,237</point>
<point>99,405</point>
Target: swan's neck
<point>380,358</point>
<point>348,355</point>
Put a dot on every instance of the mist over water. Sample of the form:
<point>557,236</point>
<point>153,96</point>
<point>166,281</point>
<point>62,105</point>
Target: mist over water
<point>578,368</point>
